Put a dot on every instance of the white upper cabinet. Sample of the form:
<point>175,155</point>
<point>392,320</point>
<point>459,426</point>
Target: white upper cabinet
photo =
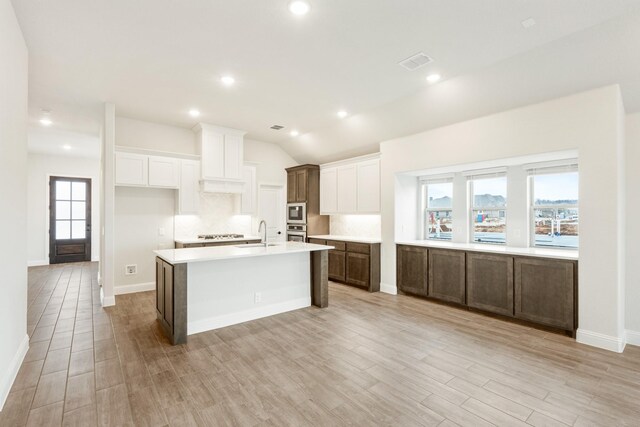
<point>132,169</point>
<point>351,186</point>
<point>222,156</point>
<point>328,191</point>
<point>233,156</point>
<point>164,172</point>
<point>369,186</point>
<point>347,188</point>
<point>189,194</point>
<point>248,196</point>
<point>212,149</point>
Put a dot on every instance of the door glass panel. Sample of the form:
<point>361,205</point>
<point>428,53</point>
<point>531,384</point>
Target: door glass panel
<point>63,210</point>
<point>79,191</point>
<point>63,230</point>
<point>63,190</point>
<point>78,230</point>
<point>78,210</point>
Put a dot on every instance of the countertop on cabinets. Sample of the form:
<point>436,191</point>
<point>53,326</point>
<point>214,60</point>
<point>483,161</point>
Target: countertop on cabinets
<point>567,254</point>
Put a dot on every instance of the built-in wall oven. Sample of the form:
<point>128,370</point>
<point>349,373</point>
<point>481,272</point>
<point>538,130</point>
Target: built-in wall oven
<point>296,213</point>
<point>296,233</point>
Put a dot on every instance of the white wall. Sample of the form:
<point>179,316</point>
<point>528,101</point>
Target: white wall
<point>13,188</point>
<point>139,215</point>
<point>139,212</point>
<point>588,122</point>
<point>40,167</point>
<point>633,229</point>
<point>155,136</point>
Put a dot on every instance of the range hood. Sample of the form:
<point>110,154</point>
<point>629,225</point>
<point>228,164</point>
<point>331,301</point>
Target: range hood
<point>222,157</point>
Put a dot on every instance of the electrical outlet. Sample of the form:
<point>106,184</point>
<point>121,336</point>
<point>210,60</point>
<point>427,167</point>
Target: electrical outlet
<point>131,269</point>
<point>258,297</point>
<point>161,231</point>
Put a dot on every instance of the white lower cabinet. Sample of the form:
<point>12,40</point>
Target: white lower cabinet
<point>350,187</point>
<point>189,192</point>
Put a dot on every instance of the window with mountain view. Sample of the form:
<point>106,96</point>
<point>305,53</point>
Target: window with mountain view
<point>555,210</point>
<point>439,204</point>
<point>489,210</point>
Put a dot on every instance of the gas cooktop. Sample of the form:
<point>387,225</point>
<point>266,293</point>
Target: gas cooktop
<point>220,236</point>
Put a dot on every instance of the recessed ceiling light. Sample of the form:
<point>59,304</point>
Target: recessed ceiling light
<point>294,133</point>
<point>528,23</point>
<point>342,114</point>
<point>433,78</point>
<point>45,121</point>
<point>194,113</point>
<point>299,7</point>
<point>66,147</point>
<point>227,80</point>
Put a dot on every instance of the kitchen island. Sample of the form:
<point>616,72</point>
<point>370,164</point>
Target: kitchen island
<point>200,289</point>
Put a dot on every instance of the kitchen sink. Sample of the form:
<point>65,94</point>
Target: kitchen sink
<point>256,245</point>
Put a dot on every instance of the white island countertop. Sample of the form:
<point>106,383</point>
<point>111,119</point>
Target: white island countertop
<point>212,253</point>
<point>354,239</point>
<point>568,254</point>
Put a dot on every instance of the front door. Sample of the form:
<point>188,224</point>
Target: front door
<point>69,219</point>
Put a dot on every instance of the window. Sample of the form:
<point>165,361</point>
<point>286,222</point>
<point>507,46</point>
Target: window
<point>489,208</point>
<point>438,208</point>
<point>554,207</point>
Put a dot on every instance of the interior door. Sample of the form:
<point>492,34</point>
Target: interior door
<point>69,219</point>
<point>271,199</point>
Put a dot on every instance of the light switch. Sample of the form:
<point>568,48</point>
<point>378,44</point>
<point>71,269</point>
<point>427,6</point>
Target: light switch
<point>161,231</point>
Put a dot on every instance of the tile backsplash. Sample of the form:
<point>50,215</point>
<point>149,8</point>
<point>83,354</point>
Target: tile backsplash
<point>218,214</point>
<point>356,225</point>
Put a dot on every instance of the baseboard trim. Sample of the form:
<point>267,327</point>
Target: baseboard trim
<point>247,315</point>
<point>12,372</point>
<point>106,301</point>
<point>633,337</point>
<point>388,289</point>
<point>37,262</point>
<point>596,339</point>
<point>131,289</point>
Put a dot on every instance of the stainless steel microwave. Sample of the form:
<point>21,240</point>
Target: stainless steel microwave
<point>297,213</point>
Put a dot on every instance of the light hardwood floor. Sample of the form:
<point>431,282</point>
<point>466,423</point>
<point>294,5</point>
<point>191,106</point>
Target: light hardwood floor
<point>369,359</point>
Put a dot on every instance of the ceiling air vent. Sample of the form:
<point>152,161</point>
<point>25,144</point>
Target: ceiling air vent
<point>277,127</point>
<point>416,61</point>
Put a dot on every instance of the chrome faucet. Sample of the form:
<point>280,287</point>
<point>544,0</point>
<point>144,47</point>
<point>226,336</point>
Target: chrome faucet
<point>264,239</point>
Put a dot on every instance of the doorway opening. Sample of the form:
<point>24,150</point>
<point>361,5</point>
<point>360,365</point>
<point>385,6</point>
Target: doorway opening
<point>69,219</point>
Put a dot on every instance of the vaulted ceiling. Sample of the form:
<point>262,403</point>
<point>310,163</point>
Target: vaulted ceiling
<point>156,60</point>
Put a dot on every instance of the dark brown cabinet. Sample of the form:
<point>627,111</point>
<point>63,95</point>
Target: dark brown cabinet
<point>545,291</point>
<point>411,265</point>
<point>357,269</point>
<point>297,185</point>
<point>537,290</point>
<point>490,283</point>
<point>353,263</point>
<point>337,265</point>
<point>447,275</point>
<point>171,299</point>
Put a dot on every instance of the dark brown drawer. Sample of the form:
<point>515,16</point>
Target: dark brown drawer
<point>194,245</point>
<point>340,246</point>
<point>318,241</point>
<point>360,248</point>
